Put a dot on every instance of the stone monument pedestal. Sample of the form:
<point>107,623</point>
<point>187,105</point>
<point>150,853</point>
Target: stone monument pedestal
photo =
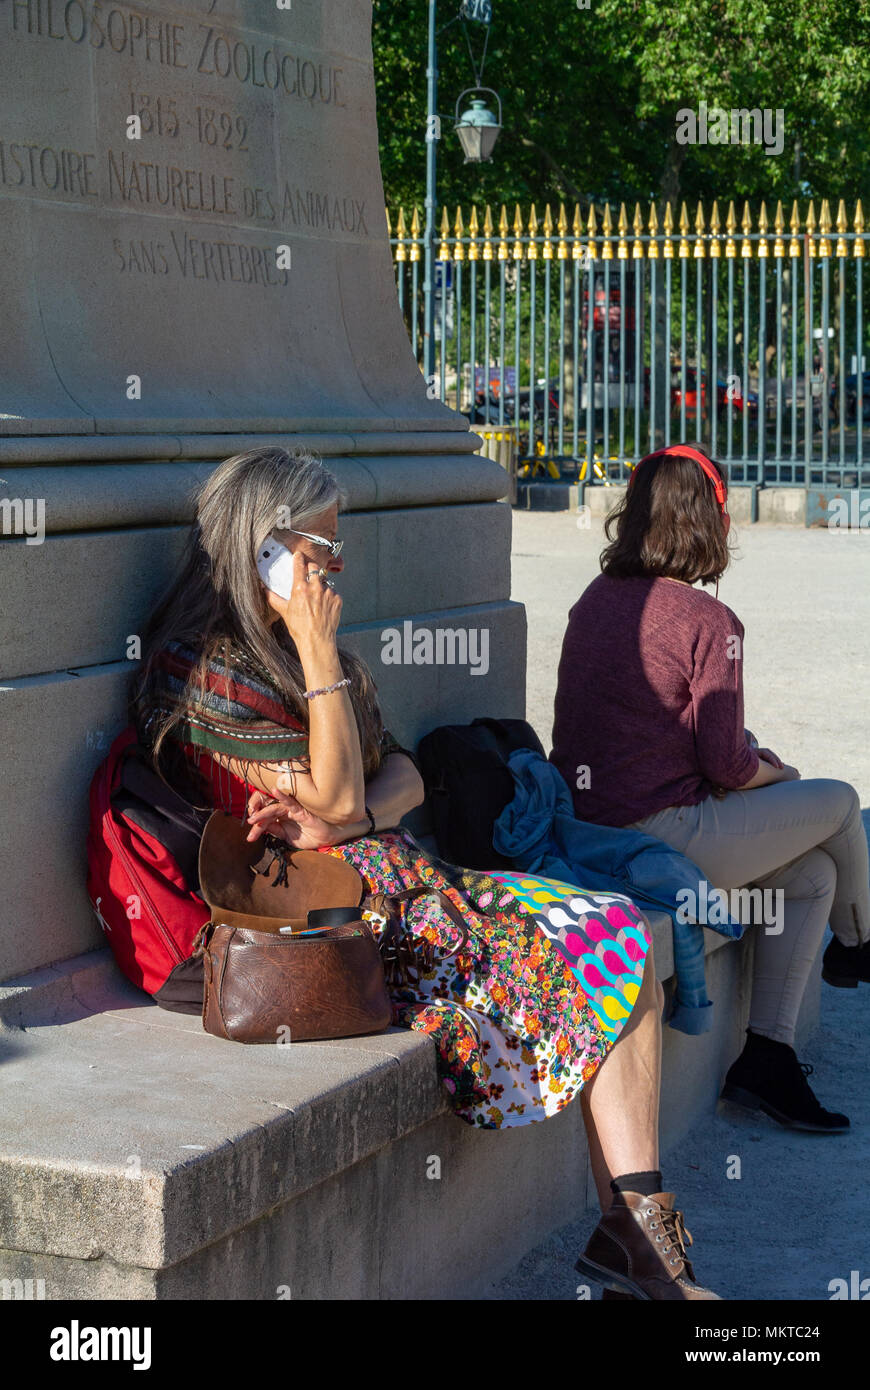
<point>194,260</point>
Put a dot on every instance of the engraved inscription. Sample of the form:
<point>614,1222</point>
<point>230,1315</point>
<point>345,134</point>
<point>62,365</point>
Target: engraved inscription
<point>205,48</point>
<point>202,151</point>
<point>199,259</point>
<point>115,29</point>
<point>185,190</point>
<point>27,164</point>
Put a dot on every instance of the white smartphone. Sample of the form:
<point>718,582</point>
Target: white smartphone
<point>275,567</point>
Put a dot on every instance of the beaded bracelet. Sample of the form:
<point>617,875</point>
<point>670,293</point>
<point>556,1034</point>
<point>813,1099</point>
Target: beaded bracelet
<point>327,689</point>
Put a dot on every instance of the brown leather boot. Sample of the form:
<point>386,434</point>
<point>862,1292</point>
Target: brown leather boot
<point>639,1248</point>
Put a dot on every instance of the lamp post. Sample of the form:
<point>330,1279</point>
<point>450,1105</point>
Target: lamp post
<point>477,128</point>
<point>432,132</point>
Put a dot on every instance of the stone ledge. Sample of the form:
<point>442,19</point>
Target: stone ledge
<point>747,503</point>
<point>91,496</point>
<point>409,437</point>
<point>103,1156</point>
<point>144,1159</point>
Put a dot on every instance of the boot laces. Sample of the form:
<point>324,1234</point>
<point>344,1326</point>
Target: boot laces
<point>812,1098</point>
<point>676,1237</point>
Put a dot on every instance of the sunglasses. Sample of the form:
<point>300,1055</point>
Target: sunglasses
<point>334,547</point>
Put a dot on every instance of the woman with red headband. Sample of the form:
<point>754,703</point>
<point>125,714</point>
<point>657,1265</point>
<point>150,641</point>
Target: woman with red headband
<point>650,701</point>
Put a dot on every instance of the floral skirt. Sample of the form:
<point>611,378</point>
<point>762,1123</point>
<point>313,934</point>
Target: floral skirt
<point>526,1012</point>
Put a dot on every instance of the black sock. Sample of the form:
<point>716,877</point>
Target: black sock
<point>647,1184</point>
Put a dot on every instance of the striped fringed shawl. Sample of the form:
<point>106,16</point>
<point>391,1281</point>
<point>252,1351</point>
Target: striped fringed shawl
<point>237,713</point>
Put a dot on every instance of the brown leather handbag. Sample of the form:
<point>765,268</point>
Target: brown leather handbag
<point>324,979</point>
<point>265,986</point>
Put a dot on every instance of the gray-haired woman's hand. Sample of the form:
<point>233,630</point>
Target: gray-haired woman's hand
<point>290,821</point>
<point>312,613</point>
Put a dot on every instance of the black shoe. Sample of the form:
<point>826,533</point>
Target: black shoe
<point>767,1076</point>
<point>845,966</point>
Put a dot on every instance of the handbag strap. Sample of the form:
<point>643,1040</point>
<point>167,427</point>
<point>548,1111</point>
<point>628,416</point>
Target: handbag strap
<point>405,955</point>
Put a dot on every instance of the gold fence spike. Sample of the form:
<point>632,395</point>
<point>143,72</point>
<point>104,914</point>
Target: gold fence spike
<point>637,244</point>
<point>401,233</point>
<point>794,245</point>
<point>562,224</point>
<point>746,224</point>
<point>730,229</point>
<point>824,229</point>
<point>487,235</point>
<point>700,251</point>
<point>577,252</point>
<point>607,227</point>
<point>591,227</point>
<point>548,234</point>
<point>684,228</point>
<point>859,229</point>
<point>532,249</point>
<point>811,227</point>
<point>653,225</point>
<point>415,234</point>
<point>459,228</point>
<point>668,247</point>
<point>715,242</point>
<point>444,249</point>
<point>779,228</point>
<point>503,249</point>
<point>389,223</point>
<point>842,227</point>
<point>762,232</point>
<point>518,252</point>
<point>473,229</point>
<point>622,228</point>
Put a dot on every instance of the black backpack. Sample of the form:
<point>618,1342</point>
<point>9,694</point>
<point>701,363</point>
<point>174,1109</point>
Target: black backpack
<point>469,783</point>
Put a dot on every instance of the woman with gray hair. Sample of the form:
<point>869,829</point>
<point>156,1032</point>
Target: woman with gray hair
<point>246,702</point>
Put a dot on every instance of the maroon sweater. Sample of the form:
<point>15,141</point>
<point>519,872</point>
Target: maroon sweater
<point>650,699</point>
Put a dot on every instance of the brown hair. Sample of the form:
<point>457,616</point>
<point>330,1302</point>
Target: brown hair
<point>669,523</point>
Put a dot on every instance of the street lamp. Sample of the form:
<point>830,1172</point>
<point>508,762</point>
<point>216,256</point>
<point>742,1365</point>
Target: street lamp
<point>477,128</point>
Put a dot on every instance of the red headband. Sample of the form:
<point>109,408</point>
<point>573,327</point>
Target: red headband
<point>685,451</point>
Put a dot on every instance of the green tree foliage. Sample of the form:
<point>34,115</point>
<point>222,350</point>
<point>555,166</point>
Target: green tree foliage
<point>590,98</point>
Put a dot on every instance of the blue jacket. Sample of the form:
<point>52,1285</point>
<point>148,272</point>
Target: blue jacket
<point>540,833</point>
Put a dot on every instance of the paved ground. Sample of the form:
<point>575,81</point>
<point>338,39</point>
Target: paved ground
<point>797,1217</point>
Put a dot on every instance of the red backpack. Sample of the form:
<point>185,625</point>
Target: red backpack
<point>143,879</point>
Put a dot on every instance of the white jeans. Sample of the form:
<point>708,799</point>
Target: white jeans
<point>804,838</point>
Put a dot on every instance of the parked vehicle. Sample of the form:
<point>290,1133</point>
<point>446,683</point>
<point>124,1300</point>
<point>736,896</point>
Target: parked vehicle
<point>691,390</point>
<point>737,400</point>
<point>851,390</point>
<point>478,414</point>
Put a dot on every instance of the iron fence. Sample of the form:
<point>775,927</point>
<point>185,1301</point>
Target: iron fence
<point>746,336</point>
